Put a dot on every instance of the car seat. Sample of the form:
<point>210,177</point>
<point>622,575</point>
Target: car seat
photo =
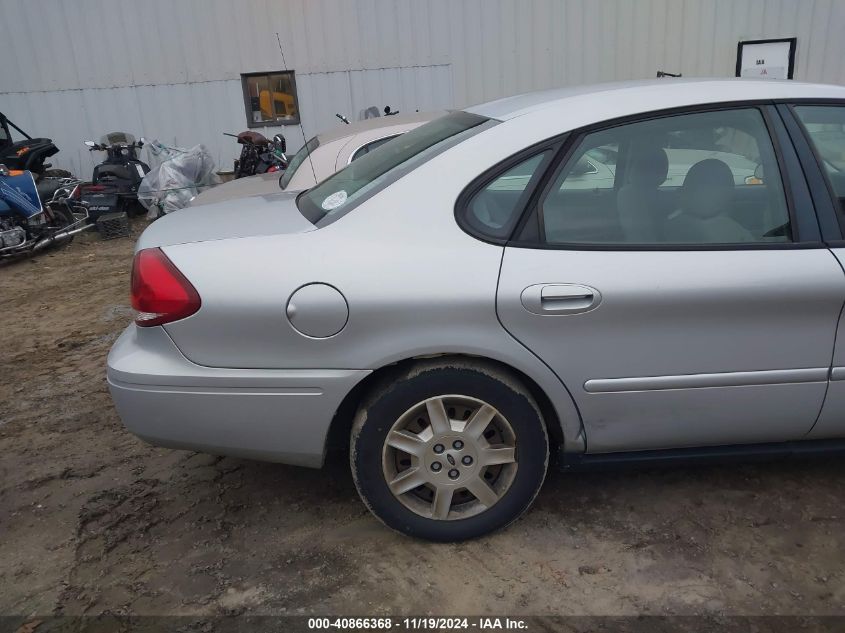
<point>706,200</point>
<point>638,202</point>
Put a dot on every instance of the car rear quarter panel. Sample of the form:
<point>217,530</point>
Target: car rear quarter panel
<point>415,284</point>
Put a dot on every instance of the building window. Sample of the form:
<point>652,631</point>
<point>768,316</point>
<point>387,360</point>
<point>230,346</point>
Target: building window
<point>270,98</point>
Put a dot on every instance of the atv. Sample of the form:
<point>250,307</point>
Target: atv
<point>28,154</point>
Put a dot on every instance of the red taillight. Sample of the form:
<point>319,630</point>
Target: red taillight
<point>160,293</point>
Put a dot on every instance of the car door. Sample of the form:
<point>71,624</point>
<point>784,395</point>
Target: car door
<point>820,129</point>
<point>679,311</point>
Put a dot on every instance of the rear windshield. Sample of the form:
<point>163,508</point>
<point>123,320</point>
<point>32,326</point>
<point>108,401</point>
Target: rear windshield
<point>364,177</point>
<point>297,160</point>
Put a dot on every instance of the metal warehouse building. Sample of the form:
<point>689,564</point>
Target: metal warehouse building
<point>185,71</point>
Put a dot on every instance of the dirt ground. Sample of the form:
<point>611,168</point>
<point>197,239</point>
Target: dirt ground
<point>94,520</point>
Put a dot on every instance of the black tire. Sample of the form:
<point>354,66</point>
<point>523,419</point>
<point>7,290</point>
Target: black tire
<point>56,173</point>
<point>427,379</point>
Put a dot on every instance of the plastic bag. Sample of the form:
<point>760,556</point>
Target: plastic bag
<point>182,174</point>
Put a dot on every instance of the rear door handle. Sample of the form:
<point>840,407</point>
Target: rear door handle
<point>547,299</point>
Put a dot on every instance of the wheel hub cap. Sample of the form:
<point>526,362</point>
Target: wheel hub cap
<point>451,465</point>
<point>450,457</point>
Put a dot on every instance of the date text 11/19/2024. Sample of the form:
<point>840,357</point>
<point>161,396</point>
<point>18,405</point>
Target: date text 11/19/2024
<point>418,624</point>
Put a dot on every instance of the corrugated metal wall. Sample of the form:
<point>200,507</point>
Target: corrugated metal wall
<point>171,68</point>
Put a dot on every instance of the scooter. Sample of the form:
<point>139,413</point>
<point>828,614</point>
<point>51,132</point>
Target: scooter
<point>27,225</point>
<point>258,154</point>
<point>114,184</point>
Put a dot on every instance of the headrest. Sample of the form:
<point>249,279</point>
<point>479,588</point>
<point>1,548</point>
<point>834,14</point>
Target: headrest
<point>708,189</point>
<point>710,172</point>
<point>649,166</point>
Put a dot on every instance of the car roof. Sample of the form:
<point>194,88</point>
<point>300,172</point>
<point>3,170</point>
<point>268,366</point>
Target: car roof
<point>656,94</point>
<point>379,123</point>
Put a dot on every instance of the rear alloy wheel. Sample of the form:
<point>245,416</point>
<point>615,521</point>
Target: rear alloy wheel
<point>450,457</point>
<point>450,452</point>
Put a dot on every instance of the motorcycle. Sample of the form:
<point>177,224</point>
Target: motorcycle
<point>259,155</point>
<point>27,225</point>
<point>29,154</point>
<point>114,184</point>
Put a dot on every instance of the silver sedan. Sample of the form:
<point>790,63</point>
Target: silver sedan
<point>610,274</point>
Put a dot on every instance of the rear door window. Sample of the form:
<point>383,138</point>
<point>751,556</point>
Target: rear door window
<point>698,178</point>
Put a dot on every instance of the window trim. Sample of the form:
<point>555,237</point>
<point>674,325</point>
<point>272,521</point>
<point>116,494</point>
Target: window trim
<point>793,178</point>
<point>569,147</point>
<point>811,160</point>
<point>248,109</point>
<point>552,145</point>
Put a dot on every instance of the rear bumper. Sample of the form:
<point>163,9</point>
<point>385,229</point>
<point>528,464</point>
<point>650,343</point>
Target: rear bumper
<point>276,415</point>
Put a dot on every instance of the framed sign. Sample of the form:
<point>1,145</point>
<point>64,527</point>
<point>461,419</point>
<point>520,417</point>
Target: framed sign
<point>769,59</point>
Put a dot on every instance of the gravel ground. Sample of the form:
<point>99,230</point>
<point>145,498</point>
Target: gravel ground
<point>93,520</point>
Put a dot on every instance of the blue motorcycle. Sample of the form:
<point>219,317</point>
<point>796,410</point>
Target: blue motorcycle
<point>26,224</point>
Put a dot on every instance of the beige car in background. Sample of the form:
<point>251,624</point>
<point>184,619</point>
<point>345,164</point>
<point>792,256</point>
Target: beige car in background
<point>330,152</point>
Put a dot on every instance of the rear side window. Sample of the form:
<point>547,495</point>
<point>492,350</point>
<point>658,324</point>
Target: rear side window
<point>343,191</point>
<point>699,178</point>
<point>825,126</point>
<point>494,210</point>
<point>369,147</point>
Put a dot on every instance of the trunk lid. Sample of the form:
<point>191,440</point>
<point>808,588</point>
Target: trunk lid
<point>260,184</point>
<point>253,216</point>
